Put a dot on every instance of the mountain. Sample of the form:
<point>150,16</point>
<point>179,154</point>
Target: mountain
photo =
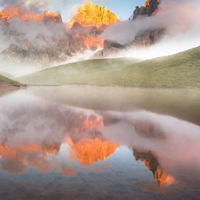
<point>89,15</point>
<point>176,71</point>
<point>40,39</point>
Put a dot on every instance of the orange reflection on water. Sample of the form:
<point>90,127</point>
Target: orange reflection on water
<point>7,152</point>
<point>160,175</point>
<point>89,151</point>
<point>90,123</point>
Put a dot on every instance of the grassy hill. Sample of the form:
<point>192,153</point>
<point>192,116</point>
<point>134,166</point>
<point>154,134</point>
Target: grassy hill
<point>176,71</point>
<point>8,81</point>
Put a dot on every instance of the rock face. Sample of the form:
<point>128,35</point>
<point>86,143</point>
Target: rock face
<point>42,40</point>
<point>149,7</point>
<point>142,39</point>
<point>90,36</point>
<point>93,15</point>
<point>55,49</point>
<point>148,38</point>
<point>29,54</point>
<point>90,22</point>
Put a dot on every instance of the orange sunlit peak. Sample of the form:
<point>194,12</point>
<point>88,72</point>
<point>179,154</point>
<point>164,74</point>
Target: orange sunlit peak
<point>90,14</point>
<point>13,12</point>
<point>146,3</point>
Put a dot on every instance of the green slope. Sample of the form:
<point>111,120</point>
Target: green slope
<point>8,81</point>
<point>76,72</point>
<point>177,71</point>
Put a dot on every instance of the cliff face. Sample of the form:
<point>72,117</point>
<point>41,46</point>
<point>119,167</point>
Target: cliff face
<point>147,38</point>
<point>93,15</point>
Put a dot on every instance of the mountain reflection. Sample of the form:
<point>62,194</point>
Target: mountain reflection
<point>89,151</point>
<point>33,132</point>
<point>86,151</point>
<point>16,159</point>
<point>41,156</point>
<point>151,162</point>
<point>52,137</point>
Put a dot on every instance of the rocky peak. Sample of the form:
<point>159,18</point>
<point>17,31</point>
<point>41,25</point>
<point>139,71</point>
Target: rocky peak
<point>90,14</point>
<point>149,7</point>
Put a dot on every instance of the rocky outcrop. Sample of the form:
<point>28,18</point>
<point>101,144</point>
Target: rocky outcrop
<point>144,39</point>
<point>147,38</point>
<point>29,54</point>
<point>149,7</point>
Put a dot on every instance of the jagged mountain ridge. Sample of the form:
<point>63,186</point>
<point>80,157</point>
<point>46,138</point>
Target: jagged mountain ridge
<point>85,28</point>
<point>78,37</point>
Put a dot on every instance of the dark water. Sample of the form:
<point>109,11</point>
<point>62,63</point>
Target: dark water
<point>99,143</point>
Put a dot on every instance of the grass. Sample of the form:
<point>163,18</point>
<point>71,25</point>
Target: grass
<point>177,71</point>
<point>9,81</point>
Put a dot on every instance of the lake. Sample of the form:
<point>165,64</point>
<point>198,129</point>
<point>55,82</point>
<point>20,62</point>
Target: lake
<point>82,142</point>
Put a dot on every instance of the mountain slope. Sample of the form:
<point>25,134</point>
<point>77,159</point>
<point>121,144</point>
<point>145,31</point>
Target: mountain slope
<point>178,71</point>
<point>80,71</point>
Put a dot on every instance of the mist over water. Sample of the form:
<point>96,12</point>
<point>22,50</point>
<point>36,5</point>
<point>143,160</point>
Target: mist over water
<point>50,142</point>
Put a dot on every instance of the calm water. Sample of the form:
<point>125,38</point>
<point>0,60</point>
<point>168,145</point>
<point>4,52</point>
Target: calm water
<point>60,143</point>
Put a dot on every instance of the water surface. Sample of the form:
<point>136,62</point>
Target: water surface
<point>99,143</point>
